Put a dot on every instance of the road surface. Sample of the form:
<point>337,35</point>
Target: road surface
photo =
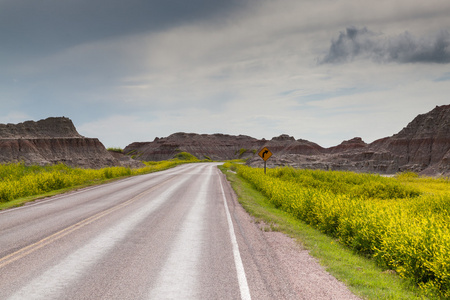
<point>175,234</point>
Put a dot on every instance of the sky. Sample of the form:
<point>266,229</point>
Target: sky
<point>320,70</point>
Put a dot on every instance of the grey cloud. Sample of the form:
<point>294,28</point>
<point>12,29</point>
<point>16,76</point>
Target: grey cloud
<point>404,48</point>
<point>30,27</point>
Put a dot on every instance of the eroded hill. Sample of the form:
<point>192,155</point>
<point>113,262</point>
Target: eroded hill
<point>51,141</point>
<point>422,146</point>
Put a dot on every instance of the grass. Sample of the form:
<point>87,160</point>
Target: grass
<point>22,200</point>
<point>363,277</point>
<point>21,183</point>
<point>401,222</point>
<point>185,156</point>
<point>115,149</point>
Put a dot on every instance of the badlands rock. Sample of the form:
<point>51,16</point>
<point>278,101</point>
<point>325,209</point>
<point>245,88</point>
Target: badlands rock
<point>214,146</point>
<point>423,146</point>
<point>51,141</point>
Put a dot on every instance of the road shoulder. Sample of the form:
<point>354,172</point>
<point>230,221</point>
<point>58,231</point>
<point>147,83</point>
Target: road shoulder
<point>277,267</point>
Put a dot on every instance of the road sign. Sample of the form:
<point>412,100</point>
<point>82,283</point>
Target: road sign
<point>265,154</point>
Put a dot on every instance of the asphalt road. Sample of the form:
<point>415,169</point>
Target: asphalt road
<point>176,234</point>
<point>166,235</point>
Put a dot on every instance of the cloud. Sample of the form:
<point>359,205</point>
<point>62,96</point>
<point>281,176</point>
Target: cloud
<point>130,71</point>
<point>55,25</point>
<point>404,48</point>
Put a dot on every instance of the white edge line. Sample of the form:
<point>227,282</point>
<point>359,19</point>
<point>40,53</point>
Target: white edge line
<point>242,279</point>
<point>69,193</point>
<point>39,201</point>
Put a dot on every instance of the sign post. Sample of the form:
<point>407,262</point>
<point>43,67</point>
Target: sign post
<point>265,154</point>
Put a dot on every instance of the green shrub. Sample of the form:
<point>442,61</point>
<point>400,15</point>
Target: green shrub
<point>185,156</point>
<point>115,149</point>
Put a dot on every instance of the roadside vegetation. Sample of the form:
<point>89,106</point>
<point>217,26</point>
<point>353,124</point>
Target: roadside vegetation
<point>386,238</point>
<point>20,183</point>
<point>115,149</point>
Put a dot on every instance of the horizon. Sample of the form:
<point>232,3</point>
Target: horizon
<point>233,135</point>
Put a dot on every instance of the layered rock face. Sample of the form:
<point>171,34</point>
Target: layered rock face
<point>215,147</point>
<point>423,146</point>
<point>218,146</point>
<point>50,141</point>
<point>48,128</point>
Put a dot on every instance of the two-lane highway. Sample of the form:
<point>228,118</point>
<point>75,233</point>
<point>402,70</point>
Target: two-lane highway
<point>164,235</point>
<point>175,234</point>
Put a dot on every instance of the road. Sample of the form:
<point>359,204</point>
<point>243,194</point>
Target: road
<point>175,234</point>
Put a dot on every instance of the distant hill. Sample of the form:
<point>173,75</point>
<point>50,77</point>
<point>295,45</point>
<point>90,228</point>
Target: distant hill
<point>51,141</point>
<point>213,146</point>
<point>422,146</point>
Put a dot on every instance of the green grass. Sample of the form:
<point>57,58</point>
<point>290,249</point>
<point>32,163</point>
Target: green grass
<point>186,156</point>
<point>22,200</point>
<point>363,277</point>
<point>20,183</point>
<point>115,149</point>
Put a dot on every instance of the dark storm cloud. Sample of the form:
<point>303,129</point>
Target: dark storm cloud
<point>404,48</point>
<point>30,27</point>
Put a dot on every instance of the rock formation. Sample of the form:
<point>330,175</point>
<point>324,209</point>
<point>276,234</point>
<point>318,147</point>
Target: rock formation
<point>50,141</point>
<point>423,146</point>
<point>48,128</point>
<point>215,147</point>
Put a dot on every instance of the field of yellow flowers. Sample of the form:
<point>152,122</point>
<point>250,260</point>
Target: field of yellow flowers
<point>402,222</point>
<point>18,180</point>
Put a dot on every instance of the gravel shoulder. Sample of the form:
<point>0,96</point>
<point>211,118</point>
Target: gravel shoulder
<point>277,267</point>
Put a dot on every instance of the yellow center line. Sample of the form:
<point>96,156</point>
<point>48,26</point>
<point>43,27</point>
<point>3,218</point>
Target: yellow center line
<point>6,260</point>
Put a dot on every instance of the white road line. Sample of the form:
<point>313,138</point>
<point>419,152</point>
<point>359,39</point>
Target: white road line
<point>179,277</point>
<point>87,189</point>
<point>52,198</point>
<point>51,283</point>
<point>242,278</point>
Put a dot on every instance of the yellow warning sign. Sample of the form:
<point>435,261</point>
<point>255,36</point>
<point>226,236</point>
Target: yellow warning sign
<point>265,154</point>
